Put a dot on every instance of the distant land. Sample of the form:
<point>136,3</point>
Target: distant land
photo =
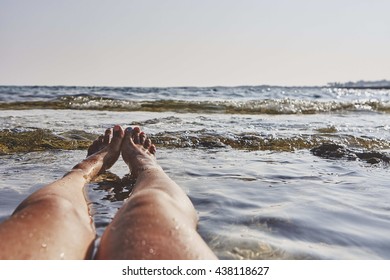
<point>382,84</point>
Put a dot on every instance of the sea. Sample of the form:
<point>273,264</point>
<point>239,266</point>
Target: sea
<point>273,172</point>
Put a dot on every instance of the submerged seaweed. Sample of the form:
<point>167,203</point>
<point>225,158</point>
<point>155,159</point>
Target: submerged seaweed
<point>39,140</point>
<point>335,151</point>
<point>14,141</point>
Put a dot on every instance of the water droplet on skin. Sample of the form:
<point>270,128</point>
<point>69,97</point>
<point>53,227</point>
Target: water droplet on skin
<point>151,251</point>
<point>62,256</point>
<point>43,245</point>
<point>143,242</point>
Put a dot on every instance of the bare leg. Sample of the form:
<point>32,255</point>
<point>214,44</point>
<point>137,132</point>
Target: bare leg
<point>158,221</point>
<point>54,222</point>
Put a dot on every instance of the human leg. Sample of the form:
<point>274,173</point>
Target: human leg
<point>158,221</point>
<point>54,222</point>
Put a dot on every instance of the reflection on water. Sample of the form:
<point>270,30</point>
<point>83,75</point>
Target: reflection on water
<point>252,205</point>
<point>242,155</point>
<point>116,188</point>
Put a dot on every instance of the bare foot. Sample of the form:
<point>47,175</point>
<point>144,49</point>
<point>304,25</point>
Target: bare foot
<point>102,154</point>
<point>138,151</point>
<point>101,142</point>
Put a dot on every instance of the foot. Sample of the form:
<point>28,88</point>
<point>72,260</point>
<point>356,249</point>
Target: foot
<point>101,142</point>
<point>102,154</point>
<point>138,151</point>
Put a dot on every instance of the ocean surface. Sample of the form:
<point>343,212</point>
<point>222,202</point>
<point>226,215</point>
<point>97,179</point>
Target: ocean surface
<point>274,172</point>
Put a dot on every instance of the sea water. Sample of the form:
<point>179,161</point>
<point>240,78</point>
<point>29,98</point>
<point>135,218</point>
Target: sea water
<point>244,156</point>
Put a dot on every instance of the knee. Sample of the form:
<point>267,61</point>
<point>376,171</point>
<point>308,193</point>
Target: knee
<point>159,202</point>
<point>52,204</point>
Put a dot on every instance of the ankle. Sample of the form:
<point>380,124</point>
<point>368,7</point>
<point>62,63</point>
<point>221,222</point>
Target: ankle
<point>78,172</point>
<point>147,170</point>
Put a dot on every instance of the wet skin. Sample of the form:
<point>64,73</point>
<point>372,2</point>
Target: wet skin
<point>158,221</point>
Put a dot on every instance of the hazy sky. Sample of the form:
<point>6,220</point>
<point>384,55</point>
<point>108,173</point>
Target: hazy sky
<point>193,43</point>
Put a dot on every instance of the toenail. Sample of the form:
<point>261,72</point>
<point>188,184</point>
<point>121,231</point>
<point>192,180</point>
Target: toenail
<point>129,129</point>
<point>117,131</point>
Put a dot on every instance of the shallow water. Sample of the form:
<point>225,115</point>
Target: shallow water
<point>252,205</point>
<point>259,191</point>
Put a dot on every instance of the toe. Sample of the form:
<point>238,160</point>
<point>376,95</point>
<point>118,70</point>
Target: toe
<point>117,137</point>
<point>93,148</point>
<point>118,132</point>
<point>152,149</point>
<point>107,137</point>
<point>147,143</point>
<point>142,138</point>
<point>128,136</point>
<point>128,132</point>
<point>100,142</point>
<point>135,135</point>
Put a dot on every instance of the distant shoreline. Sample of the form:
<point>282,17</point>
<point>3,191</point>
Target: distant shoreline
<point>382,84</point>
<point>361,87</point>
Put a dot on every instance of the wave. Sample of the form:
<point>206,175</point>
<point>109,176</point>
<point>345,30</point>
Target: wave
<point>327,146</point>
<point>266,106</point>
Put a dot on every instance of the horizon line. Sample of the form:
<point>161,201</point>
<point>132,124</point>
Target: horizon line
<point>329,84</point>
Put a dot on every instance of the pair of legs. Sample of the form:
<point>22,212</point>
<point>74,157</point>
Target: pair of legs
<point>158,221</point>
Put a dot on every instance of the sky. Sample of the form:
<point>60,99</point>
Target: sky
<point>160,43</point>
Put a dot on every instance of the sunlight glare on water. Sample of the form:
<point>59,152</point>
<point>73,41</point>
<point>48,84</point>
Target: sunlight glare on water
<point>243,156</point>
